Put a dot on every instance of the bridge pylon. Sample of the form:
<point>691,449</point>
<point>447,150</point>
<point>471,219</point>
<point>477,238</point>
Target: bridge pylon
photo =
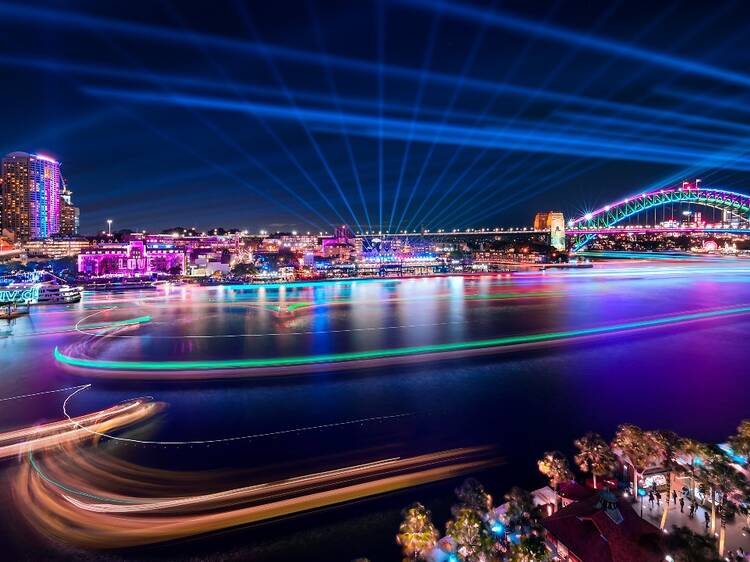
<point>554,223</point>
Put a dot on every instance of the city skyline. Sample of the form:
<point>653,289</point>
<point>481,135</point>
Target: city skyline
<point>413,114</point>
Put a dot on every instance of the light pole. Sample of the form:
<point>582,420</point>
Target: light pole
<point>109,227</point>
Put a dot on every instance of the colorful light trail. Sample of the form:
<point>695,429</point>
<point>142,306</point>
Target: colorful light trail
<point>350,358</point>
<point>115,324</point>
<point>71,497</point>
<point>56,434</point>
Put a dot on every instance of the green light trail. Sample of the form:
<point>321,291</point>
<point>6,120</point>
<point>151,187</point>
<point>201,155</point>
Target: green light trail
<point>385,353</point>
<point>116,324</point>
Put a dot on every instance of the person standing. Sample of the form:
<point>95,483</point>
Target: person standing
<point>682,505</point>
<point>674,497</point>
<point>651,499</point>
<point>707,517</point>
<point>658,498</point>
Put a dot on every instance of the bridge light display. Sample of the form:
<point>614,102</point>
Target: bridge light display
<point>609,216</point>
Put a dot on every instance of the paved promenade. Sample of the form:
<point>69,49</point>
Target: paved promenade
<point>735,536</point>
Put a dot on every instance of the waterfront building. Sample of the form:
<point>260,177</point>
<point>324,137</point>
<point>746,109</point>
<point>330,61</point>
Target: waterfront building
<point>205,263</point>
<point>358,247</point>
<point>338,251</point>
<point>55,248</point>
<point>343,233</point>
<point>131,259</point>
<point>300,242</point>
<point>31,195</point>
<point>340,247</point>
<point>270,245</point>
<point>602,528</point>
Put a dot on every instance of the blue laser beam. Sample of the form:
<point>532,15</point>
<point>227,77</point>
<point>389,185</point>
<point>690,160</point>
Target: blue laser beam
<point>509,73</point>
<point>427,60</point>
<point>544,184</point>
<point>268,58</point>
<point>398,129</point>
<point>337,103</point>
<point>520,164</point>
<point>549,78</point>
<point>568,36</point>
<point>465,68</point>
<point>157,33</point>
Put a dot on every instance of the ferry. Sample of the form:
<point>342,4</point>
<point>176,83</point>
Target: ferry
<point>46,292</point>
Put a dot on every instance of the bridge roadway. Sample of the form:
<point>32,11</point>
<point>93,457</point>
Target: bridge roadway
<point>654,230</point>
<point>473,232</point>
<point>637,229</point>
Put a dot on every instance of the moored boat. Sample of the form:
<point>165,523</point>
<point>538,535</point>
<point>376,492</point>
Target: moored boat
<point>46,292</point>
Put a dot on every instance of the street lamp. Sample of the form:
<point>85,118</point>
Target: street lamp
<point>641,493</point>
<point>109,227</point>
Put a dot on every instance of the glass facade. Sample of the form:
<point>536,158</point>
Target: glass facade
<point>32,189</point>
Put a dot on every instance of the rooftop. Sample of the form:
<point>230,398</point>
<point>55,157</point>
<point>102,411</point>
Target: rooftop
<point>595,533</point>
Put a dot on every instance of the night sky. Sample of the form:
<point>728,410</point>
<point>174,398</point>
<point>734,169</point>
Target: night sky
<point>393,115</point>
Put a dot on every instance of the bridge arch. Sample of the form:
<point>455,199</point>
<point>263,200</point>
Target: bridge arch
<point>610,215</point>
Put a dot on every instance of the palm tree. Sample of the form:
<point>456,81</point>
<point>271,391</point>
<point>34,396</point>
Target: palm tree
<point>417,535</point>
<point>595,455</point>
<point>529,549</point>
<point>639,448</point>
<point>704,476</point>
<point>726,480</point>
<point>522,514</point>
<point>669,445</point>
<point>472,494</point>
<point>740,442</point>
<point>473,540</point>
<point>687,546</point>
<point>555,466</point>
<point>744,509</point>
<point>693,453</point>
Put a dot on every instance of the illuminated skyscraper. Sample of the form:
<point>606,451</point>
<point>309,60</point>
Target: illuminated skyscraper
<point>69,214</point>
<point>31,195</point>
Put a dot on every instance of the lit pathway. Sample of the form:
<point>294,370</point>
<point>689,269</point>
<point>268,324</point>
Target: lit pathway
<point>735,537</point>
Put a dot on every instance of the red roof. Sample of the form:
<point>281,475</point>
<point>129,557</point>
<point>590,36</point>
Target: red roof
<point>593,535</point>
<point>574,491</point>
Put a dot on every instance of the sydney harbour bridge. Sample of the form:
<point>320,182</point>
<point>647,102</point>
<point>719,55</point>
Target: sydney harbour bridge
<point>618,218</point>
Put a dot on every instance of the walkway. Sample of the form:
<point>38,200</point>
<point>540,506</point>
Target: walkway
<point>735,537</point>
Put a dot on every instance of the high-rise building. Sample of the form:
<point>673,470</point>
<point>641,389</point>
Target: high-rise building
<point>69,214</point>
<point>31,195</point>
